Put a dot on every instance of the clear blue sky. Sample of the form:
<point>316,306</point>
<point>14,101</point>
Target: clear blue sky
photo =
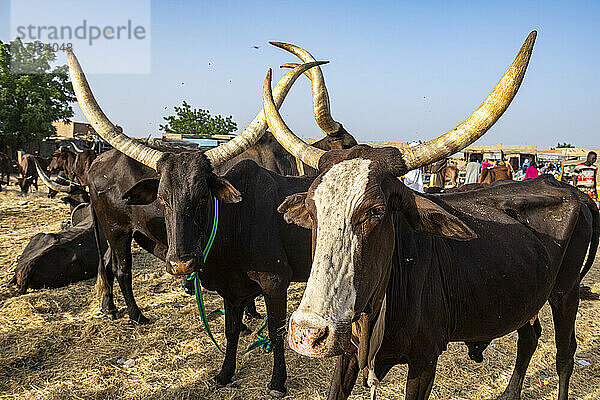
<point>399,71</point>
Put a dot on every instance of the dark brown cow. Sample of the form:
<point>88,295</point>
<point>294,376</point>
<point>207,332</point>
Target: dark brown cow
<point>497,173</point>
<point>63,159</point>
<point>401,274</point>
<point>28,173</point>
<point>83,161</point>
<point>6,166</point>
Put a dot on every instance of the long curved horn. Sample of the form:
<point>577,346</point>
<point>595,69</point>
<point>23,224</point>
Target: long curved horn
<point>445,145</point>
<point>308,154</point>
<point>101,123</point>
<point>321,106</point>
<point>149,156</point>
<point>77,149</point>
<point>258,126</point>
<point>477,123</point>
<point>50,183</point>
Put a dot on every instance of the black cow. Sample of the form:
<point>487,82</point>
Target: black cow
<point>269,154</point>
<point>186,186</point>
<point>53,260</point>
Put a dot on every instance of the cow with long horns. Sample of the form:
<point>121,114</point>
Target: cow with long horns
<point>401,274</point>
<point>254,250</point>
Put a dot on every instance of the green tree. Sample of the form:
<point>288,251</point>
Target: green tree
<point>564,145</point>
<point>188,120</point>
<point>32,94</point>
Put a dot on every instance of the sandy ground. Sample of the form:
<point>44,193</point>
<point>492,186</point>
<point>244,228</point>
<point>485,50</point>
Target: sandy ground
<point>54,344</point>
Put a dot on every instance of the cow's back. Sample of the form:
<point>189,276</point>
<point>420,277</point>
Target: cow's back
<point>474,290</point>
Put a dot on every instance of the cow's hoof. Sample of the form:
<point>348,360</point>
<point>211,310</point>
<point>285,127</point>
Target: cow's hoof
<point>507,396</point>
<point>245,331</point>
<point>111,313</point>
<point>276,393</point>
<point>188,286</point>
<point>585,293</point>
<point>276,390</point>
<point>221,380</point>
<point>235,384</point>
<point>253,314</point>
<point>141,320</point>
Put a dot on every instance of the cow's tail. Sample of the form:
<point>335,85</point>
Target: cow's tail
<point>103,286</point>
<point>595,237</point>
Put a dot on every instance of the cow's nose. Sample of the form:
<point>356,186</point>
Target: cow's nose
<point>180,267</point>
<point>308,340</point>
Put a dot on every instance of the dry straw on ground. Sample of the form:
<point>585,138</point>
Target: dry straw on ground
<point>54,344</point>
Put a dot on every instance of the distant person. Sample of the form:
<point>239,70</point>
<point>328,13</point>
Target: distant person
<point>472,170</point>
<point>96,146</point>
<point>485,164</point>
<point>525,164</point>
<point>584,176</point>
<point>414,179</point>
<point>531,172</point>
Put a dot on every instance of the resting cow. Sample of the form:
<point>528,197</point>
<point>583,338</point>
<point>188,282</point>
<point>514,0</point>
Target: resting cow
<point>124,195</point>
<point>53,260</point>
<point>423,271</point>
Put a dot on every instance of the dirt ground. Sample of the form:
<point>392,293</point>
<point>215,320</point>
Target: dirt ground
<point>55,344</point>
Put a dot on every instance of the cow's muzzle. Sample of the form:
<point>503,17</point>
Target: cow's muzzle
<point>314,337</point>
<point>181,267</point>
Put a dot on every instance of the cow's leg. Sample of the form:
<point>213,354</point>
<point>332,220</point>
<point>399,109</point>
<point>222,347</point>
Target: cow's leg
<point>122,269</point>
<point>233,326</point>
<point>526,345</point>
<point>344,376</point>
<point>250,310</point>
<point>276,301</point>
<point>564,313</point>
<point>420,381</point>
<point>104,284</point>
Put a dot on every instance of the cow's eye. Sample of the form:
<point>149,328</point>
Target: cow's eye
<point>375,213</point>
<point>372,216</point>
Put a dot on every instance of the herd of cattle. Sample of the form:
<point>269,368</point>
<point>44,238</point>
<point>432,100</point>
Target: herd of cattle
<point>392,275</point>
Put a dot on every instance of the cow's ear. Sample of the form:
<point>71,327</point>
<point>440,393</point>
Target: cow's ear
<point>142,193</point>
<point>223,190</point>
<point>434,219</point>
<point>294,210</point>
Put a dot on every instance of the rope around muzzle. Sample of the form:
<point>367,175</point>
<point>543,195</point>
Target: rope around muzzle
<point>263,342</point>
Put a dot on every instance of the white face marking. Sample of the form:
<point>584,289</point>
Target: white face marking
<point>330,291</point>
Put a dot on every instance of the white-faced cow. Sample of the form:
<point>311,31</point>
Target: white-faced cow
<point>425,270</point>
<point>254,250</point>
